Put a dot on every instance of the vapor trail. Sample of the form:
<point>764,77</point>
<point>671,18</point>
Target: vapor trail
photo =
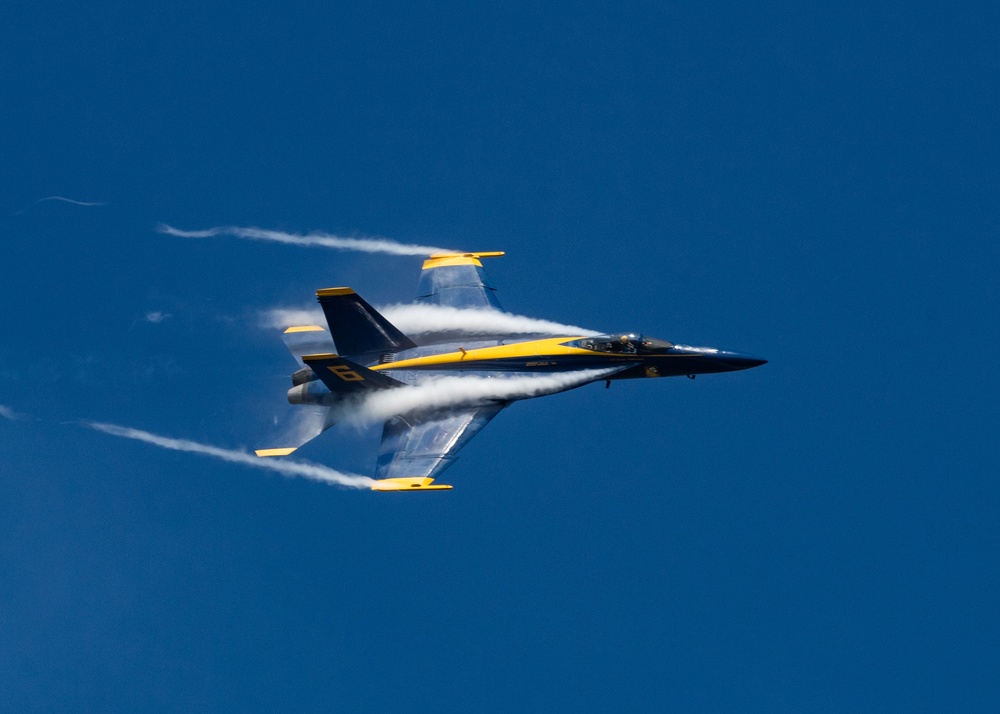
<point>64,200</point>
<point>288,468</point>
<point>418,319</point>
<point>325,240</point>
<point>281,317</point>
<point>445,392</point>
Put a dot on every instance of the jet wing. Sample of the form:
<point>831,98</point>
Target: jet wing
<point>416,449</point>
<point>457,280</point>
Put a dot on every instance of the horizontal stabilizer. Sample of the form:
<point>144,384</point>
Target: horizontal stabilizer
<point>347,378</point>
<point>417,483</point>
<point>358,328</point>
<point>314,421</point>
<point>307,340</point>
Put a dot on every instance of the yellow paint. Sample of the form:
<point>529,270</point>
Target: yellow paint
<point>535,348</point>
<point>451,260</point>
<point>333,292</point>
<point>480,254</point>
<point>443,260</point>
<point>346,373</point>
<point>415,483</point>
<point>313,358</point>
<point>275,452</point>
<point>305,328</point>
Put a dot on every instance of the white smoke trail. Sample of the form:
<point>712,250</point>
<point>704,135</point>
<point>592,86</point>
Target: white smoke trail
<point>416,319</point>
<point>325,240</point>
<point>63,199</point>
<point>70,200</point>
<point>281,317</point>
<point>453,392</point>
<point>288,468</point>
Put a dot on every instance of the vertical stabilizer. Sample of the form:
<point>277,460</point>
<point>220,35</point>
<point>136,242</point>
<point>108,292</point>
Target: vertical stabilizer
<point>356,327</point>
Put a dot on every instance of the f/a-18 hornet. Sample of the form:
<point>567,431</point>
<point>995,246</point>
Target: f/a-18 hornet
<point>368,354</point>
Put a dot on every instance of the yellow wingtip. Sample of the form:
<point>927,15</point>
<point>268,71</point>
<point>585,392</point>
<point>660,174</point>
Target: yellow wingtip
<point>415,483</point>
<point>304,328</point>
<point>443,260</point>
<point>276,452</point>
<point>480,254</point>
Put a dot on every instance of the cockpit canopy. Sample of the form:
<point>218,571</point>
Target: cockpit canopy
<point>623,343</point>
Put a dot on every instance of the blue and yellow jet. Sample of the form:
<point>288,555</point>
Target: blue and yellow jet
<point>369,354</point>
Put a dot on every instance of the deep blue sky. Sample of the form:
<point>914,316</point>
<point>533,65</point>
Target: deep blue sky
<point>818,186</point>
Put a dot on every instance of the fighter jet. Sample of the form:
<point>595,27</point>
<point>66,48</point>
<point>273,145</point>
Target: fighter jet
<point>368,354</point>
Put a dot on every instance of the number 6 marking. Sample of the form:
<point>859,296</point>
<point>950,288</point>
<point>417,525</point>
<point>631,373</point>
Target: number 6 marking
<point>346,373</point>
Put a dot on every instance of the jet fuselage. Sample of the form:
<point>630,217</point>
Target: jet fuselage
<point>636,356</point>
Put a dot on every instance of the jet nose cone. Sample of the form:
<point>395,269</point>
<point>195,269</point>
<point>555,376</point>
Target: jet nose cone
<point>736,360</point>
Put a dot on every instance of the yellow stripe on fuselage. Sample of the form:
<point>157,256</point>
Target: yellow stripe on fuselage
<point>534,348</point>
